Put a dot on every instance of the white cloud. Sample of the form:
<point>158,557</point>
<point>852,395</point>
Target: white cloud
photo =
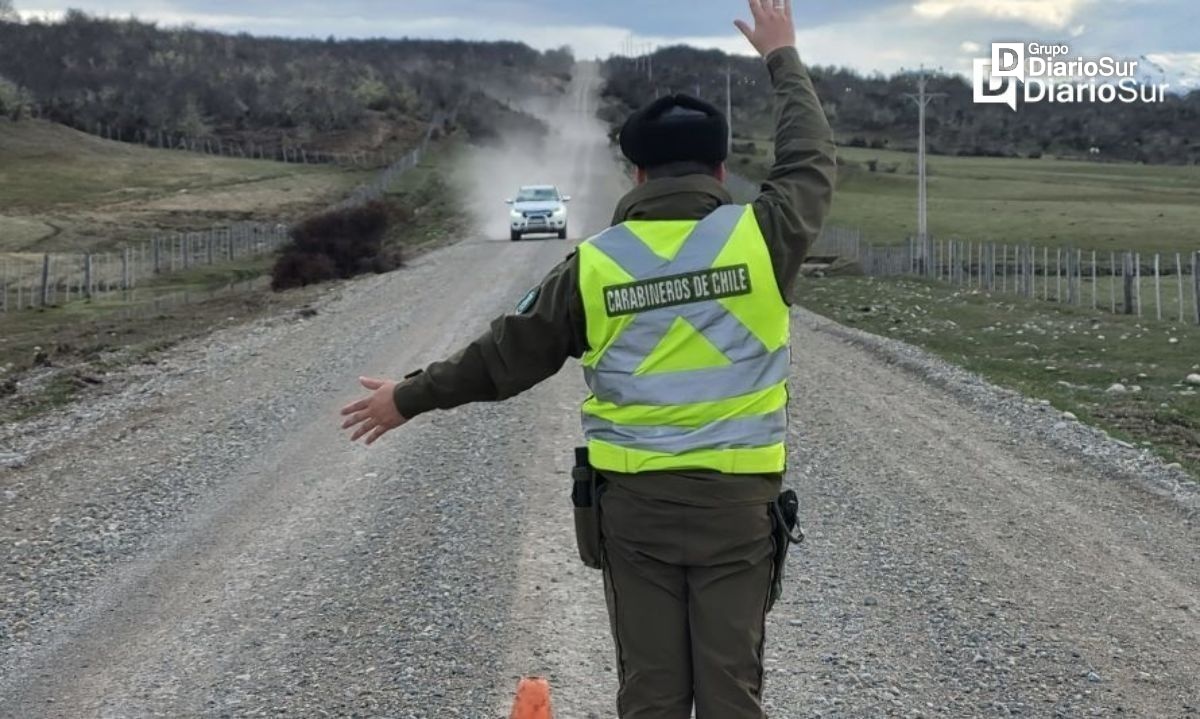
<point>43,15</point>
<point>904,35</point>
<point>1056,14</point>
<point>1182,69</point>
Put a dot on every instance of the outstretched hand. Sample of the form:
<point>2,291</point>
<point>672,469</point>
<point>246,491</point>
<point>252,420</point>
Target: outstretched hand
<point>773,26</point>
<point>375,415</point>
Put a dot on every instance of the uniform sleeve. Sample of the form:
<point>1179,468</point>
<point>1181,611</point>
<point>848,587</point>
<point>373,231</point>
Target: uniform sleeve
<point>798,192</point>
<point>517,352</point>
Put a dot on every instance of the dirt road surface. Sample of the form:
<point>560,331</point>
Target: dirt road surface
<point>206,543</point>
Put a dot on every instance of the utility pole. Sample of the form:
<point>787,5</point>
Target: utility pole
<point>922,98</point>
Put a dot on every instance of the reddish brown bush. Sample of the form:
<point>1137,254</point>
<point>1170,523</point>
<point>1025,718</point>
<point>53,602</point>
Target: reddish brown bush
<point>336,245</point>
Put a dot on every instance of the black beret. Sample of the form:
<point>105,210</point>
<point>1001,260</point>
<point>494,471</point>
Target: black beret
<point>676,128</point>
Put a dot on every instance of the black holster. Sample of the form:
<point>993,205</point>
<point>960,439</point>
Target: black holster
<point>586,488</point>
<point>785,511</point>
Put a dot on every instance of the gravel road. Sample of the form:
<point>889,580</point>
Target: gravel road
<point>204,542</point>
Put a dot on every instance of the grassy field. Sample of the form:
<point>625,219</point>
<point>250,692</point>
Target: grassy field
<point>1070,356</point>
<point>1046,202</point>
<point>63,190</point>
<point>1171,296</point>
<point>83,340</point>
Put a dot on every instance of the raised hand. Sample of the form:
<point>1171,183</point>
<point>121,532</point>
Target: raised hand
<point>773,26</point>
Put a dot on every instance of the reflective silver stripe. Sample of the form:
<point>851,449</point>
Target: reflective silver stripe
<point>700,250</point>
<point>646,330</point>
<point>753,367</point>
<point>690,386</point>
<point>746,432</point>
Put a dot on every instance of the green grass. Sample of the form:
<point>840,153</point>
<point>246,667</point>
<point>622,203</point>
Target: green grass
<point>1067,355</point>
<point>85,339</point>
<point>431,199</point>
<point>1046,202</point>
<point>1171,294</point>
<point>44,166</point>
<point>63,190</point>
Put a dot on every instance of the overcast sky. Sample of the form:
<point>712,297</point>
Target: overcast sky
<point>868,35</point>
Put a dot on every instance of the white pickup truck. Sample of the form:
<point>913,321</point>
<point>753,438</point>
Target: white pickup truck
<point>538,209</point>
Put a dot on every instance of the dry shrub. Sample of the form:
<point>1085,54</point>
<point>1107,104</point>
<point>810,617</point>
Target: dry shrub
<point>336,245</point>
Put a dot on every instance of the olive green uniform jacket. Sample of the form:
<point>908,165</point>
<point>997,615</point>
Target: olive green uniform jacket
<point>521,350</point>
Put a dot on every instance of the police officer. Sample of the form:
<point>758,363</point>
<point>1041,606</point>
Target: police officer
<point>679,314</point>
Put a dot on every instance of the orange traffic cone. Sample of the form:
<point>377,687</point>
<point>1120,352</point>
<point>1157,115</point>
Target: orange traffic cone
<point>533,700</point>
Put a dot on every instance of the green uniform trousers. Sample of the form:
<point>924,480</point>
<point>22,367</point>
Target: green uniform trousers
<point>687,590</point>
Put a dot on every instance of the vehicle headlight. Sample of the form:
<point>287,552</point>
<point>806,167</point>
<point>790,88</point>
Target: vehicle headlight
<point>516,214</point>
<point>560,211</point>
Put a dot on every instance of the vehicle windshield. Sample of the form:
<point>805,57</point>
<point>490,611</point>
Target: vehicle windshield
<point>538,194</point>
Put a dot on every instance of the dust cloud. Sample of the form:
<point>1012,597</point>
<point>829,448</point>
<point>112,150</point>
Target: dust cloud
<point>575,155</point>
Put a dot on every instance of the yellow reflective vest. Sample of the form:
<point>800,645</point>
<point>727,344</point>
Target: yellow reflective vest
<point>689,351</point>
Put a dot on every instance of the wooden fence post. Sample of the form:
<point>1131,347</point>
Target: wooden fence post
<point>1071,277</point>
<point>125,268</point>
<point>979,266</point>
<point>1112,281</point>
<point>45,279</point>
<point>1179,283</point>
<point>1094,279</point>
<point>1157,288</point>
<point>87,276</point>
<point>1031,267</point>
<point>1004,269</point>
<point>1079,276</point>
<point>1196,283</point>
<point>1137,280</point>
<point>1127,275</point>
<point>1058,275</point>
<point>1045,274</point>
<point>1020,272</point>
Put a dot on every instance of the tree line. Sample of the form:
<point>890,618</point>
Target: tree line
<point>872,111</point>
<point>138,80</point>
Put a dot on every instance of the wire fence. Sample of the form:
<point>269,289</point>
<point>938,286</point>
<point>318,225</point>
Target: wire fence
<point>276,151</point>
<point>1153,285</point>
<point>1156,285</point>
<point>38,280</point>
<point>33,280</point>
<point>384,181</point>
